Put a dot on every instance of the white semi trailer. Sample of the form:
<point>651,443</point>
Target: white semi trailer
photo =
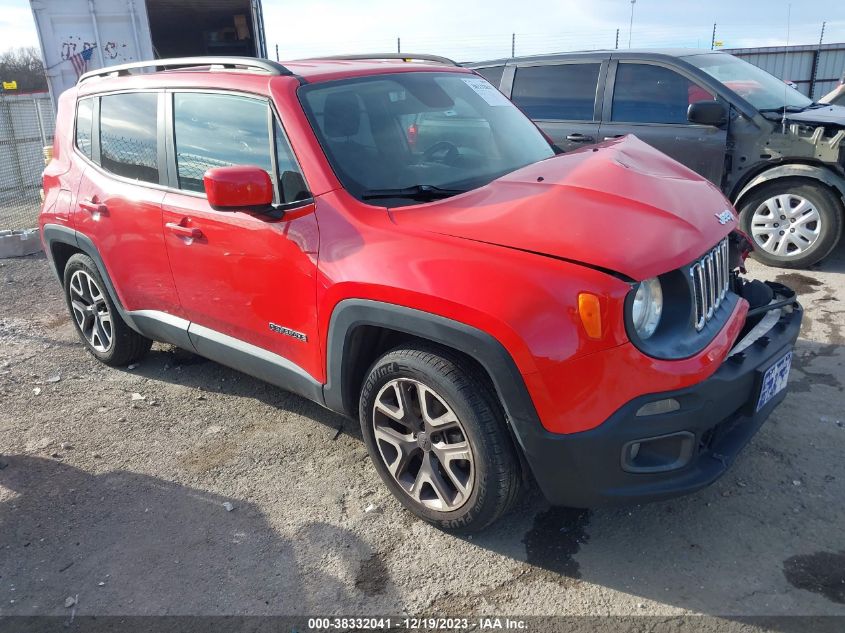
<point>120,31</point>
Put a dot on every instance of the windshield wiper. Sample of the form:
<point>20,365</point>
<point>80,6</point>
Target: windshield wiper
<point>415,192</point>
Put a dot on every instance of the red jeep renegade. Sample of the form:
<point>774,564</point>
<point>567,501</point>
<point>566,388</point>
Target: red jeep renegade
<point>396,241</point>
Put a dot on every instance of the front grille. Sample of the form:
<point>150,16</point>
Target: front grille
<point>710,278</point>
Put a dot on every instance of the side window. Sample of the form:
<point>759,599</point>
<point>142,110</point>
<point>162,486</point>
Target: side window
<point>644,93</point>
<point>218,130</point>
<point>128,135</point>
<point>493,74</point>
<point>292,187</point>
<point>84,125</point>
<point>563,91</point>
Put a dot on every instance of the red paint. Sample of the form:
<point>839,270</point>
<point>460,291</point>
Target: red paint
<point>651,213</point>
<point>412,134</point>
<point>238,186</point>
<point>502,258</point>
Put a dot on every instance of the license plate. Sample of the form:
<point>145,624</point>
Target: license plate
<point>774,380</point>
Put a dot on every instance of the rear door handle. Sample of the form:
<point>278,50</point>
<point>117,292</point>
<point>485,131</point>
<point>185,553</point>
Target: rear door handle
<point>610,138</point>
<point>184,231</point>
<point>577,137</point>
<point>94,208</point>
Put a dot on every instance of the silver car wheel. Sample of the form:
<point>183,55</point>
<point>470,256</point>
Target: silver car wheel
<point>91,311</point>
<point>423,445</point>
<point>786,225</point>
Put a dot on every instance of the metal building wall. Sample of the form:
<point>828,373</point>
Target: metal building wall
<point>795,63</point>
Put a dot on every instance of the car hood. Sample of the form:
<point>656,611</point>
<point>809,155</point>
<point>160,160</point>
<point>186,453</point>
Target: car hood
<point>621,206</point>
<point>828,115</point>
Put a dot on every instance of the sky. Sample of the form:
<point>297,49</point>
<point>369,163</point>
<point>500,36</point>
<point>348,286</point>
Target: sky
<point>481,29</point>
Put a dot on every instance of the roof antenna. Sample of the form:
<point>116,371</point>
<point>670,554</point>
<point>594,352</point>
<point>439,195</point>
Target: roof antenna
<point>785,85</point>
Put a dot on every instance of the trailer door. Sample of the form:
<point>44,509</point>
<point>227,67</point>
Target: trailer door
<point>258,29</point>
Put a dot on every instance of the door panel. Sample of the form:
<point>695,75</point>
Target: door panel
<point>124,222</point>
<point>118,206</point>
<point>570,135</point>
<point>650,101</point>
<point>243,272</point>
<point>562,99</point>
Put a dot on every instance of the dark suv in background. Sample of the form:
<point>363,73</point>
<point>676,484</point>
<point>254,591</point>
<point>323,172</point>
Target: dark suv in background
<point>713,112</point>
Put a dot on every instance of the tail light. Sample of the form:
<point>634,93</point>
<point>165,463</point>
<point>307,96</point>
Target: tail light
<point>413,133</point>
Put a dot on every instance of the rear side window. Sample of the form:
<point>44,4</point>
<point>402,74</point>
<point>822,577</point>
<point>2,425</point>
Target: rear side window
<point>217,130</point>
<point>557,92</point>
<point>644,93</point>
<point>493,74</point>
<point>128,135</point>
<point>84,126</point>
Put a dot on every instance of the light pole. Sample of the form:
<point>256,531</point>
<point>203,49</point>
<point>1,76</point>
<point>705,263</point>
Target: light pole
<point>631,24</point>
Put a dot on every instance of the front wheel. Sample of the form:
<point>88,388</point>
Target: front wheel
<point>437,438</point>
<point>794,223</point>
<point>97,321</point>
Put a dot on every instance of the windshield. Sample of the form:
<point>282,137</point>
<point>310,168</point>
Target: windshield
<point>416,136</point>
<point>755,85</point>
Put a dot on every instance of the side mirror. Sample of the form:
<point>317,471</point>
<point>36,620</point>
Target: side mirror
<point>238,187</point>
<point>707,113</point>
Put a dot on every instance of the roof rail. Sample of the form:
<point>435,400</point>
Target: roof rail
<point>407,57</point>
<point>270,67</point>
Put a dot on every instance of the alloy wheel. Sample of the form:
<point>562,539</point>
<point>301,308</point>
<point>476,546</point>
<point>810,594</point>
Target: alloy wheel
<point>786,225</point>
<point>91,311</point>
<point>423,444</point>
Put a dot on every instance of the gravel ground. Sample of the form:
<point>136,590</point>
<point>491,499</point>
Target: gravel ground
<point>115,483</point>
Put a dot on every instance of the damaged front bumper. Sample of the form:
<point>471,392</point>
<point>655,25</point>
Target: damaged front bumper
<point>667,444</point>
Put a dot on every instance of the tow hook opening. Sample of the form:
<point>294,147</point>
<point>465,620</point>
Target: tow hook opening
<point>658,454</point>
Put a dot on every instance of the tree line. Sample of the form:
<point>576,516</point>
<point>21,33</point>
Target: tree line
<point>24,66</point>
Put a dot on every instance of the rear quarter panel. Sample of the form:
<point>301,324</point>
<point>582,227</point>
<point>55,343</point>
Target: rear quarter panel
<point>63,173</point>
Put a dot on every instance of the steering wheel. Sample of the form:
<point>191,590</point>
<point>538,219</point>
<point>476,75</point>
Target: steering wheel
<point>442,152</point>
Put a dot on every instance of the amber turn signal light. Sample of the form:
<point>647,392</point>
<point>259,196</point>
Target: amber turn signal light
<point>590,312</point>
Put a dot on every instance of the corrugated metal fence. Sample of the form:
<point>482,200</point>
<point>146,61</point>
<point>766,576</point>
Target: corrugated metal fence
<point>26,126</point>
<point>815,69</point>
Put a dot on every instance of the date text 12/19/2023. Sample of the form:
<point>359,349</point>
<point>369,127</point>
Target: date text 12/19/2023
<point>416,623</point>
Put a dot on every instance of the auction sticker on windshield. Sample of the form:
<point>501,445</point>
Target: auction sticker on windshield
<point>486,91</point>
<point>774,380</point>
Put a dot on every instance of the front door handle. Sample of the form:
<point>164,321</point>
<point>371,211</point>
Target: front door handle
<point>189,232</point>
<point>577,137</point>
<point>610,138</point>
<point>94,208</point>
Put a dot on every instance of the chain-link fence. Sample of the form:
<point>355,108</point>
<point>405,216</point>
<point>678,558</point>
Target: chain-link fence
<point>26,126</point>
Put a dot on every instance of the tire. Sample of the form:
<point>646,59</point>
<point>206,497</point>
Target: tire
<point>97,321</point>
<point>468,453</point>
<point>765,215</point>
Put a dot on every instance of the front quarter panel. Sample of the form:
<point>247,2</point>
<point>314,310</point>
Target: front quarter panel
<point>527,302</point>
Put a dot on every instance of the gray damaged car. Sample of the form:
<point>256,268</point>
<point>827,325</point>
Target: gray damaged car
<point>775,153</point>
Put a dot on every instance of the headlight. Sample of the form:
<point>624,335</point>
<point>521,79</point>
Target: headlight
<point>647,308</point>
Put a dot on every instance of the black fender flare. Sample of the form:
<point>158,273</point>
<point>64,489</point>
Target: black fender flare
<point>56,233</point>
<point>349,314</point>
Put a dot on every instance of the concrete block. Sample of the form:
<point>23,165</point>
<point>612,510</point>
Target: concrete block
<point>19,243</point>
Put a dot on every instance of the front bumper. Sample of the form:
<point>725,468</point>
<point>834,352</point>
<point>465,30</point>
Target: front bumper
<point>716,419</point>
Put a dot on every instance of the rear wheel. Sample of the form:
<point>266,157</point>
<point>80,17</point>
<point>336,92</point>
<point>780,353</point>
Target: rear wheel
<point>793,223</point>
<point>97,321</point>
<point>438,438</point>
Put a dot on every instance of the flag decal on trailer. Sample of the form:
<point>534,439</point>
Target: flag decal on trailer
<point>81,59</point>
